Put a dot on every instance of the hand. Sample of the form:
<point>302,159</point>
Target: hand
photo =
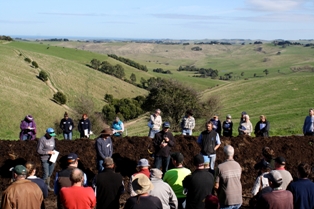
<point>166,139</point>
<point>51,152</point>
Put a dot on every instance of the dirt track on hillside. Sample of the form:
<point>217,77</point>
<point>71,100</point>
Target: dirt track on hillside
<point>128,150</point>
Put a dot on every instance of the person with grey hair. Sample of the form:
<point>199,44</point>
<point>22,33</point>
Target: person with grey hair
<point>277,198</point>
<point>246,127</point>
<point>162,190</point>
<point>77,196</point>
<point>23,193</point>
<point>228,181</point>
<point>154,123</point>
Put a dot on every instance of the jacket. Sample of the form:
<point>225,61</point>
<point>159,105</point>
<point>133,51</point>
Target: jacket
<point>216,125</point>
<point>155,122</point>
<point>159,139</point>
<point>262,132</point>
<point>45,145</point>
<point>208,142</point>
<point>22,194</point>
<point>165,193</point>
<point>24,129</point>
<point>227,128</point>
<point>188,123</point>
<point>246,126</point>
<point>84,124</point>
<point>308,124</point>
<point>66,125</point>
<point>103,148</point>
<point>117,126</point>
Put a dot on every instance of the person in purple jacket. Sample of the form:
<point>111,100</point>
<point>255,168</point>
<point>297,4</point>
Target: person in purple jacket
<point>28,128</point>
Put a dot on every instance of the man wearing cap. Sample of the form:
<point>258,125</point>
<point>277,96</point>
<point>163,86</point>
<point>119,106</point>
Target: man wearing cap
<point>103,147</point>
<point>142,185</point>
<point>280,164</point>
<point>77,196</point>
<point>209,142</point>
<point>163,142</point>
<point>45,148</point>
<point>198,185</point>
<point>66,125</point>
<point>162,190</point>
<point>63,177</point>
<point>303,188</point>
<point>154,123</point>
<point>143,167</point>
<point>216,124</point>
<point>228,181</point>
<point>23,193</point>
<point>277,198</point>
<point>108,186</point>
<point>175,176</point>
<point>227,126</point>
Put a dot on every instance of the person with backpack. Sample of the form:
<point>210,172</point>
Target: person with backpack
<point>117,127</point>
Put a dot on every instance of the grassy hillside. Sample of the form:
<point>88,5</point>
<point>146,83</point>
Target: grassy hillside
<point>23,93</point>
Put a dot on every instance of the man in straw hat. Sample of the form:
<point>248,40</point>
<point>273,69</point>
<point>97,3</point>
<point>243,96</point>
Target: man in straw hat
<point>142,185</point>
<point>103,147</point>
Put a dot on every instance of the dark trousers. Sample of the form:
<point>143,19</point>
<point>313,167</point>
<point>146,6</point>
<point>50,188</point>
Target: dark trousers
<point>180,202</point>
<point>162,162</point>
<point>309,134</point>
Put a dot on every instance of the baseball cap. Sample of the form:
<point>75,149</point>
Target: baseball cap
<point>228,116</point>
<point>143,163</point>
<point>177,157</point>
<point>280,160</point>
<point>72,157</point>
<point>198,160</point>
<point>20,170</point>
<point>274,176</point>
<point>51,132</point>
<point>166,125</point>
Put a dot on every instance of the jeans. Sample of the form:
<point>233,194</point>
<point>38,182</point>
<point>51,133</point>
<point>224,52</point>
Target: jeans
<point>152,133</point>
<point>237,206</point>
<point>162,162</point>
<point>212,160</point>
<point>100,166</point>
<point>187,132</point>
<point>181,203</point>
<point>26,137</point>
<point>67,136</point>
<point>48,168</point>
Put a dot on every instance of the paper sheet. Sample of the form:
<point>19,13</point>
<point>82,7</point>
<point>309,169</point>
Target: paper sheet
<point>54,156</point>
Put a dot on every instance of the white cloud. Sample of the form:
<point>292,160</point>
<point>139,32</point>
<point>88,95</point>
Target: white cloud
<point>274,5</point>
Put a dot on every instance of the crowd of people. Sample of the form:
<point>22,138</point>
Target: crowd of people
<point>209,186</point>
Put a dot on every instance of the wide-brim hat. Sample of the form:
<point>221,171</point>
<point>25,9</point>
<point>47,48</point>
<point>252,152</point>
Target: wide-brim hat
<point>106,132</point>
<point>141,184</point>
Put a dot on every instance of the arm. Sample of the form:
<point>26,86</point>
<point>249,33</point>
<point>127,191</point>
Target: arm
<point>267,126</point>
<point>40,147</point>
<point>61,125</point>
<point>173,200</point>
<point>79,126</point>
<point>171,141</point>
<point>199,139</point>
<point>256,186</point>
<point>304,125</point>
<point>217,142</point>
<point>110,147</point>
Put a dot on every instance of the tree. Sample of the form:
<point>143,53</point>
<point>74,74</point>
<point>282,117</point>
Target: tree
<point>28,60</point>
<point>60,98</point>
<point>133,78</point>
<point>35,64</point>
<point>254,74</point>
<point>119,71</point>
<point>143,82</point>
<point>43,75</point>
<point>109,98</point>
<point>266,72</point>
<point>109,112</point>
<point>95,64</point>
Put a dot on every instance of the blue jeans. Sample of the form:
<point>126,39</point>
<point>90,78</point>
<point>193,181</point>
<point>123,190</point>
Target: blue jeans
<point>48,168</point>
<point>187,132</point>
<point>26,137</point>
<point>237,206</point>
<point>162,162</point>
<point>100,166</point>
<point>212,160</point>
<point>152,133</point>
<point>67,136</point>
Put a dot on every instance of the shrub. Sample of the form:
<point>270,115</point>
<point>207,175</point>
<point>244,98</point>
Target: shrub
<point>60,97</point>
<point>28,60</point>
<point>35,64</point>
<point>43,75</point>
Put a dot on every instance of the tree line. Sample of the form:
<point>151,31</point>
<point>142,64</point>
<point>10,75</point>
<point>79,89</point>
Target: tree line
<point>160,70</point>
<point>129,62</point>
<point>204,72</point>
<point>6,38</point>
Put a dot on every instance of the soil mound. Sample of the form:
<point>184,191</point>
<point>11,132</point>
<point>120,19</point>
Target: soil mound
<point>128,150</point>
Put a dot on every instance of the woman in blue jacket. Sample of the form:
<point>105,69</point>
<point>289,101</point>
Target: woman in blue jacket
<point>117,127</point>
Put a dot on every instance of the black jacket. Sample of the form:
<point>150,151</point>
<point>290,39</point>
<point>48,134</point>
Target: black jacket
<point>208,142</point>
<point>227,129</point>
<point>159,138</point>
<point>66,125</point>
<point>262,132</point>
<point>84,124</point>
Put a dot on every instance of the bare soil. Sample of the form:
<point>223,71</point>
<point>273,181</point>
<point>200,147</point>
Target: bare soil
<point>128,150</point>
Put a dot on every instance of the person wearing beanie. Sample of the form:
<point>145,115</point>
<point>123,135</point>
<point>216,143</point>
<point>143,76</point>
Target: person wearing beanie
<point>66,125</point>
<point>28,128</point>
<point>197,185</point>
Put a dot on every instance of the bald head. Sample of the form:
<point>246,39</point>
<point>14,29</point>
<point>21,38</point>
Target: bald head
<point>76,176</point>
<point>229,150</point>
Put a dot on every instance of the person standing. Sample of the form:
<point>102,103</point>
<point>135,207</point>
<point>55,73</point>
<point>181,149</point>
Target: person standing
<point>163,142</point>
<point>23,193</point>
<point>198,185</point>
<point>308,126</point>
<point>277,197</point>
<point>142,185</point>
<point>228,181</point>
<point>175,176</point>
<point>227,126</point>
<point>242,120</point>
<point>77,196</point>
<point>84,127</point>
<point>28,128</point>
<point>108,186</point>
<point>103,147</point>
<point>303,188</point>
<point>117,127</point>
<point>188,123</point>
<point>262,127</point>
<point>66,125</point>
<point>154,123</point>
<point>209,142</point>
<point>216,124</point>
<point>142,167</point>
<point>162,190</point>
<point>246,127</point>
<point>45,148</point>
<point>280,164</point>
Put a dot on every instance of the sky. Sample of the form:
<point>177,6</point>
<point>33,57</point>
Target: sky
<point>171,19</point>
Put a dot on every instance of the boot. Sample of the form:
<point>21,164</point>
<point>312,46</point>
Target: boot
<point>48,185</point>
